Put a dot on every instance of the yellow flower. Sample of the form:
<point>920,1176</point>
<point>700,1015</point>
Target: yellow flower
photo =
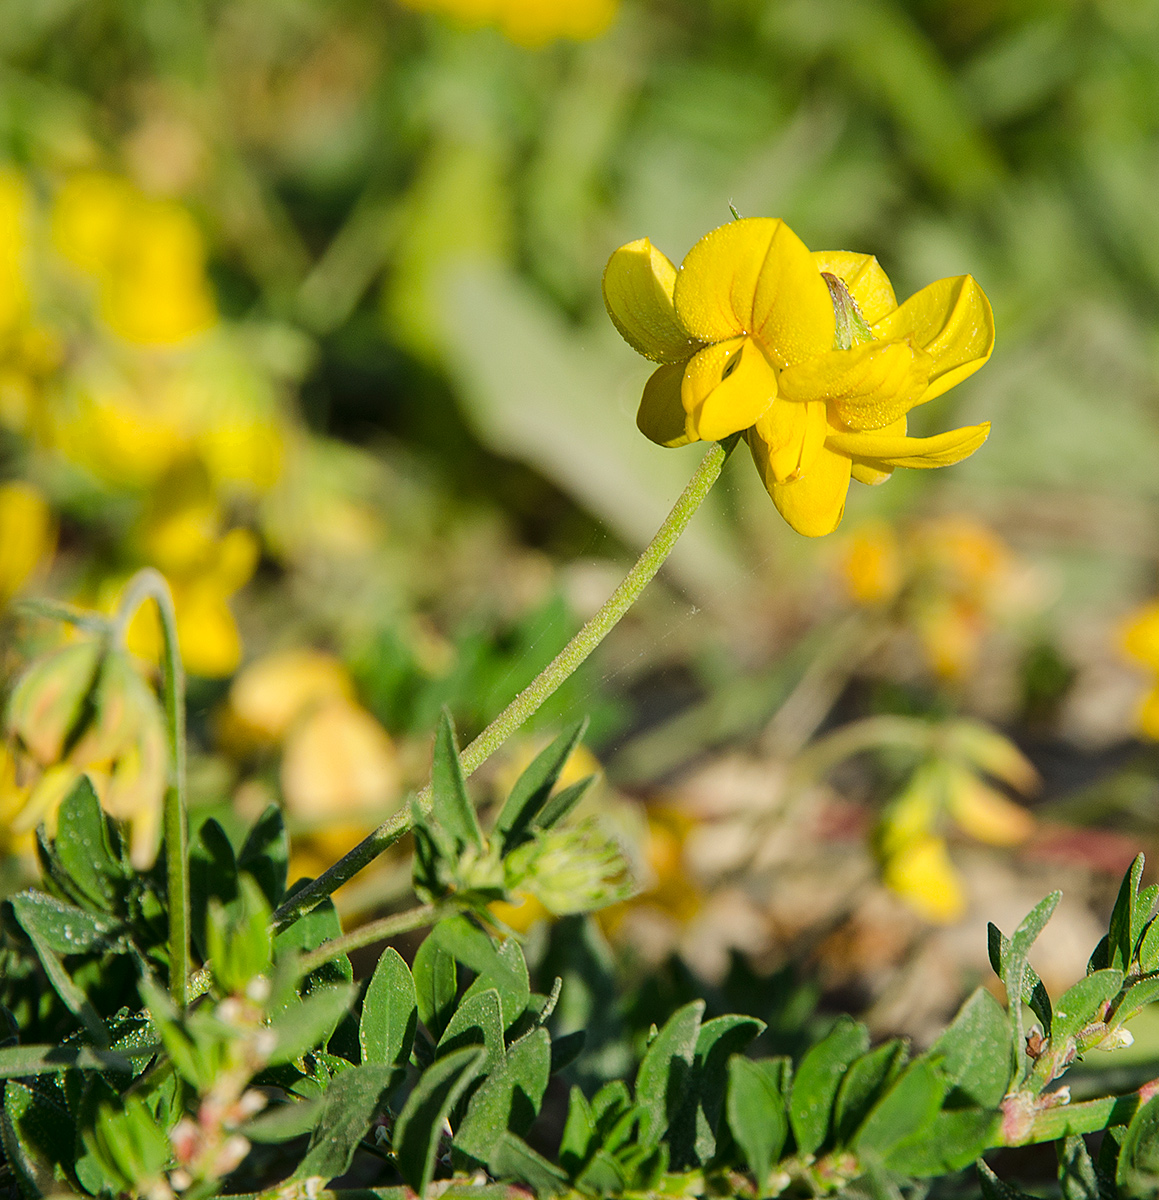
<point>872,564</point>
<point>27,535</point>
<point>807,354</point>
<point>1139,639</point>
<point>921,873</point>
<point>271,693</point>
<point>13,247</point>
<point>529,22</point>
<point>147,256</point>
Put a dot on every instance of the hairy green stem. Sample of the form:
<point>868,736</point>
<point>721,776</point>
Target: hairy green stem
<point>150,585</point>
<point>536,692</point>
<point>1089,1116</point>
<point>375,931</point>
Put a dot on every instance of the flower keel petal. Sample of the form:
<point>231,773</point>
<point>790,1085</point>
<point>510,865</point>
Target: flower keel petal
<point>814,503</point>
<point>726,388</point>
<point>661,416</point>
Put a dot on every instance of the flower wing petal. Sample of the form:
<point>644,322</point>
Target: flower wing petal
<point>814,503</point>
<point>756,276</point>
<point>661,415</point>
<point>883,450</point>
<point>638,285</point>
<point>793,434</point>
<point>868,387</point>
<point>868,284</point>
<point>952,320</point>
<point>726,388</point>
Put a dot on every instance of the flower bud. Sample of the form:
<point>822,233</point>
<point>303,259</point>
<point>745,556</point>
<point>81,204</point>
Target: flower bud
<point>571,870</point>
<point>49,699</point>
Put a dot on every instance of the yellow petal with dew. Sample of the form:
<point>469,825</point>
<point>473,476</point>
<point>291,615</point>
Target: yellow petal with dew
<point>985,813</point>
<point>726,388</point>
<point>868,284</point>
<point>813,504</point>
<point>951,320</point>
<point>661,416</point>
<point>638,286</point>
<point>867,387</point>
<point>756,277</point>
<point>925,878</point>
<point>793,434</point>
<point>883,450</point>
<point>1139,635</point>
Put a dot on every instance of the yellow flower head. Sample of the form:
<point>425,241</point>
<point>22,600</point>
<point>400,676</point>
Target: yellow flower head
<point>808,354</point>
<point>529,22</point>
<point>27,535</point>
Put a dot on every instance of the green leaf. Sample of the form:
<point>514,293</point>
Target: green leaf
<point>504,969</point>
<point>1143,906</point>
<point>692,1134</point>
<point>1083,1003</point>
<point>436,981</point>
<point>1138,1171</point>
<point>285,1122</point>
<point>1125,920</point>
<point>74,998</point>
<point>565,1050</point>
<point>973,1052</point>
<point>1148,955</point>
<point>212,876</point>
<point>953,1140</point>
<point>420,1124</point>
<point>1138,995</point>
<point>37,1133</point>
<point>351,1103</point>
<point>756,1114</point>
<point>477,1021</point>
<point>818,1079</point>
<point>452,805</point>
<point>266,853</point>
<point>1077,1177</point>
<point>910,1104</point>
<point>994,1189</point>
<point>664,1074</point>
<point>386,1030</point>
<point>19,1061</point>
<point>64,928</point>
<point>532,789</point>
<point>309,932</point>
<point>579,1132</point>
<point>1018,976</point>
<point>514,1159</point>
<point>864,1084</point>
<point>84,848</point>
<point>1034,991</point>
<point>308,1023</point>
<point>562,802</point>
<point>508,1099</point>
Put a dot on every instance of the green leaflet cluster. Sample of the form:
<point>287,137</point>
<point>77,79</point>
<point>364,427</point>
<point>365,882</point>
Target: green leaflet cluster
<point>285,1068</point>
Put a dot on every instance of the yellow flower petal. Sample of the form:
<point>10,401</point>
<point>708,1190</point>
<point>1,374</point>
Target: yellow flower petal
<point>868,387</point>
<point>27,535</point>
<point>951,319</point>
<point>638,286</point>
<point>924,877</point>
<point>726,388</point>
<point>868,284</point>
<point>813,504</point>
<point>756,277</point>
<point>872,476</point>
<point>1139,636</point>
<point>794,434</point>
<point>1149,714</point>
<point>661,415</point>
<point>882,450</point>
<point>985,813</point>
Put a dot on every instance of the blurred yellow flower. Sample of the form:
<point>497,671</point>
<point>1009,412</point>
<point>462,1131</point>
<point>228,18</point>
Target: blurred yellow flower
<point>13,798</point>
<point>338,761</point>
<point>985,813</point>
<point>147,257</point>
<point>271,693</point>
<point>1139,639</point>
<point>808,354</point>
<point>529,22</point>
<point>84,709</point>
<point>872,564</point>
<point>14,232</point>
<point>27,535</point>
<point>921,873</point>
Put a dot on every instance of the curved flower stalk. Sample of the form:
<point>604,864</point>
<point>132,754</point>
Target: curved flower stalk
<point>808,354</point>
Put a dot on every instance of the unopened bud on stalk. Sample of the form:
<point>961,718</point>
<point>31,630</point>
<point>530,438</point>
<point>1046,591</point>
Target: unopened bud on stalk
<point>572,870</point>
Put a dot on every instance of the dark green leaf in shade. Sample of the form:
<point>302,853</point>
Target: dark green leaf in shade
<point>1083,1003</point>
<point>512,1158</point>
<point>692,1134</point>
<point>993,1188</point>
<point>389,1018</point>
<point>36,1132</point>
<point>533,788</point>
<point>420,1124</point>
<point>452,805</point>
<point>579,1133</point>
<point>73,996</point>
<point>1125,924</point>
<point>1137,1173</point>
<point>909,1106</point>
<point>565,1050</point>
<point>436,981</point>
<point>266,853</point>
<point>19,1061</point>
<point>212,876</point>
<point>665,1073</point>
<point>351,1103</point>
<point>864,1084</point>
<point>818,1079</point>
<point>1078,1177</point>
<point>1108,1156</point>
<point>558,806</point>
<point>311,931</point>
<point>755,1108</point>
